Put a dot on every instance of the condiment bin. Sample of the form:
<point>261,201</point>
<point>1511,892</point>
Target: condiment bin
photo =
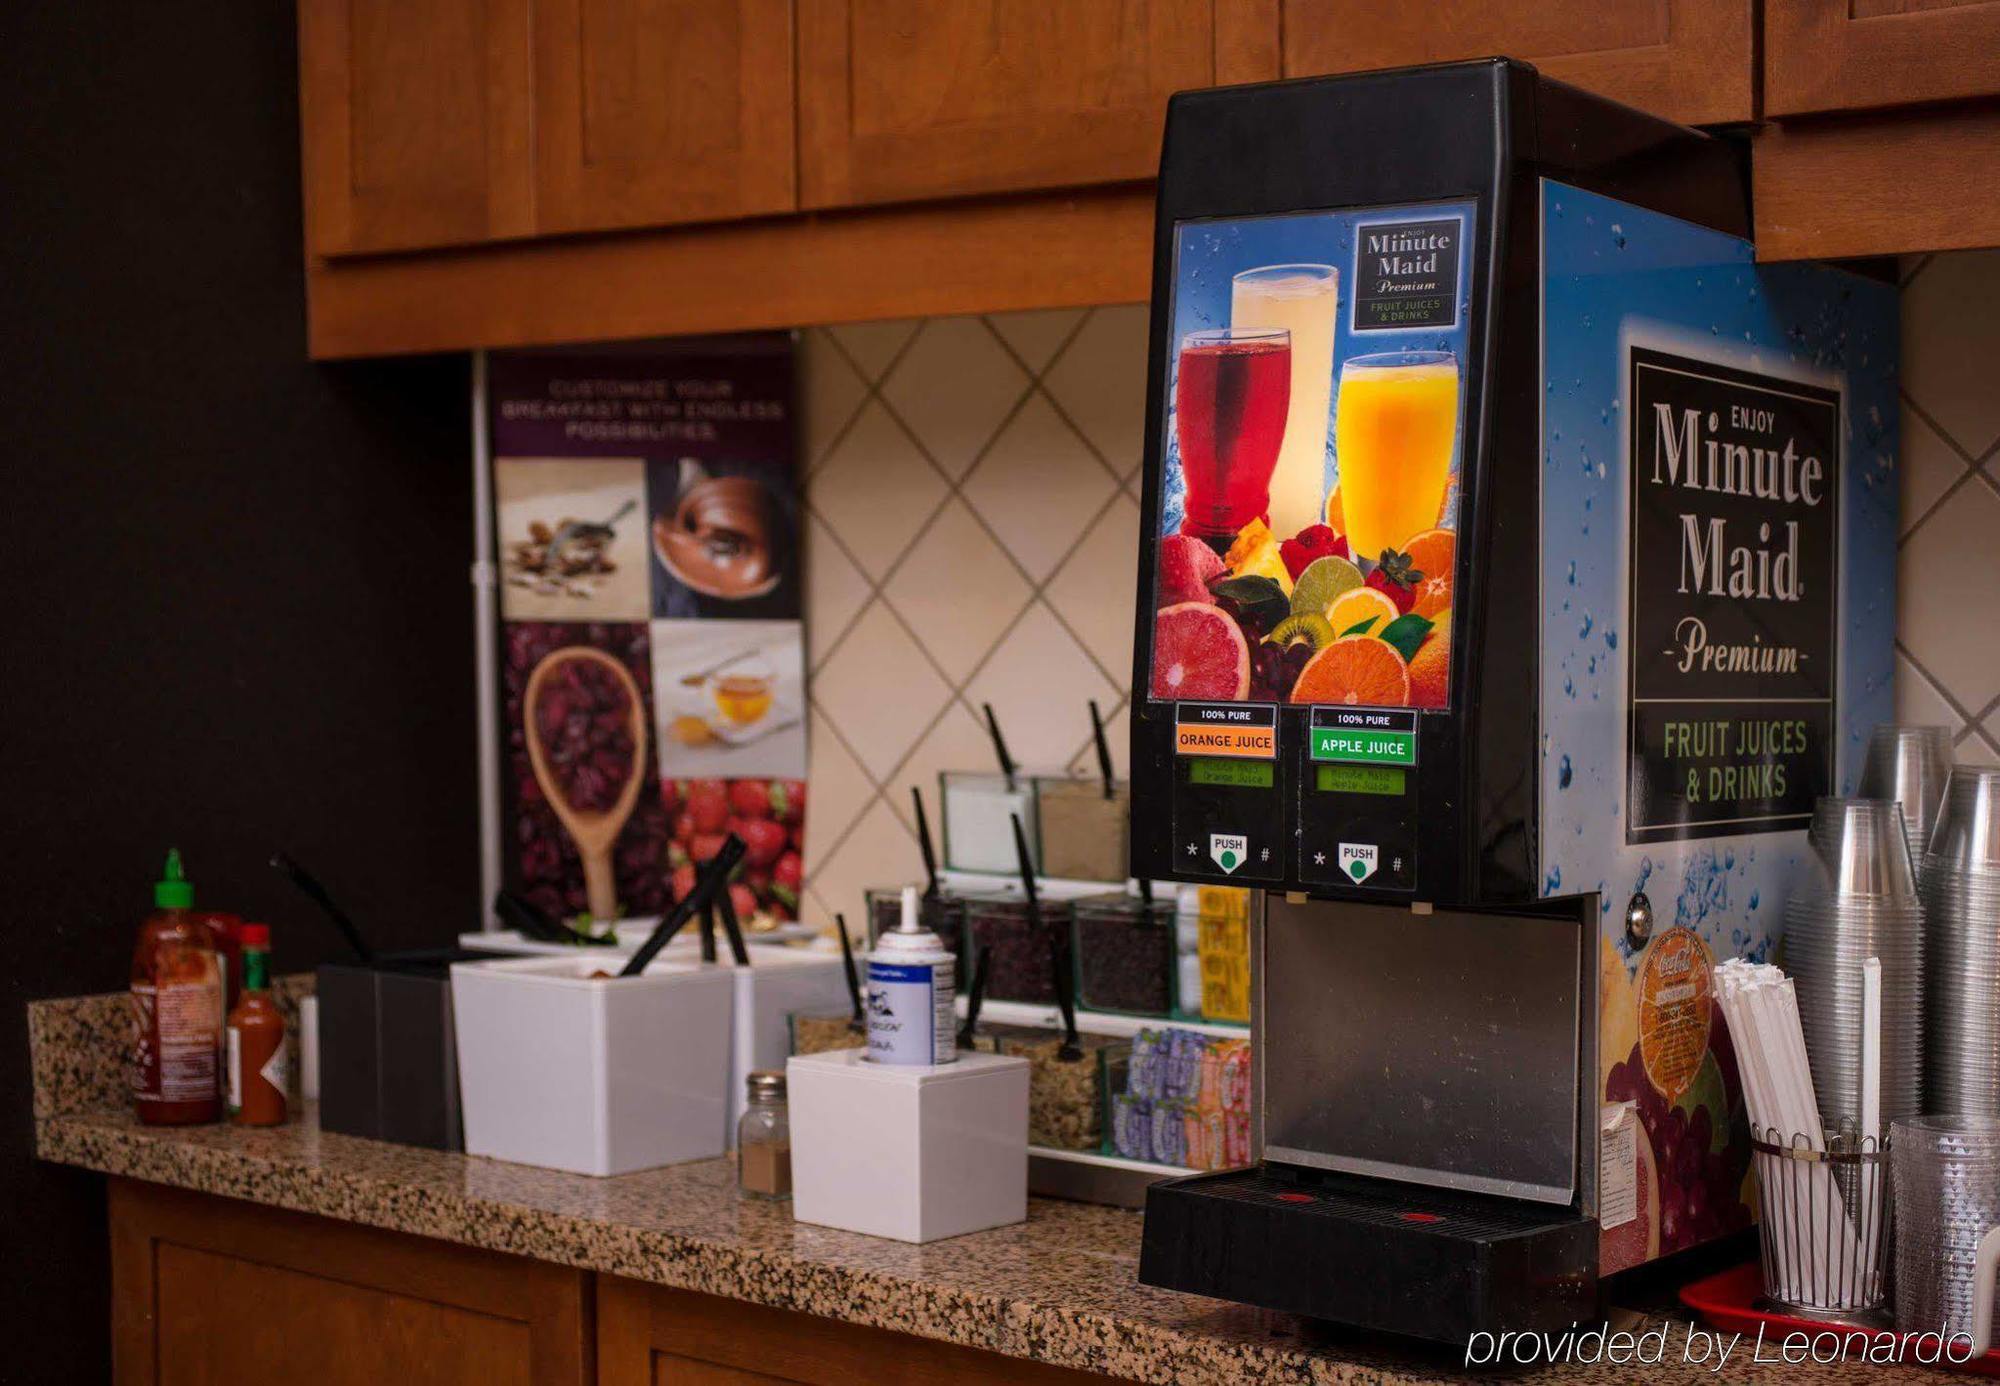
<point>1082,833</point>
<point>1020,952</point>
<point>913,1152</point>
<point>387,1054</point>
<point>1067,1098</point>
<point>978,809</point>
<point>1125,953</point>
<point>594,1075</point>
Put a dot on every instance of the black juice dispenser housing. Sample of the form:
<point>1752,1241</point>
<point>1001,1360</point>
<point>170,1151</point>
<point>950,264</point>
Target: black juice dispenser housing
<point>1378,672</point>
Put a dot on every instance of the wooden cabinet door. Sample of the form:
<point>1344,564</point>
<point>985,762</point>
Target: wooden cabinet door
<point>415,120</point>
<point>207,1289</point>
<point>655,112</point>
<point>1687,60</point>
<point>908,99</point>
<point>1833,55</point>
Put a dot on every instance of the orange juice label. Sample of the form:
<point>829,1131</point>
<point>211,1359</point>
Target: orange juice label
<point>1202,739</point>
<point>1675,1002</point>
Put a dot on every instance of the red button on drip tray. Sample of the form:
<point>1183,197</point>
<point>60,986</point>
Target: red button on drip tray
<point>1295,1198</point>
<point>1420,1217</point>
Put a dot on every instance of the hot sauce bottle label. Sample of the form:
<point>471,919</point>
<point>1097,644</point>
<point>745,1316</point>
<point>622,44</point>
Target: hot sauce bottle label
<point>185,1034</point>
<point>234,1099</point>
<point>277,1070</point>
<point>145,1053</point>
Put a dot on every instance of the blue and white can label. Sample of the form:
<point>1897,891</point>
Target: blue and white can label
<point>910,1015</point>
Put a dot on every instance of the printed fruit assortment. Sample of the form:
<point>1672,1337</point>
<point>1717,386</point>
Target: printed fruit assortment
<point>1299,620</point>
<point>674,824</point>
<point>1693,1144</point>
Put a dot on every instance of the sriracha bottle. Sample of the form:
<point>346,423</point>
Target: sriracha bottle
<point>176,1010</point>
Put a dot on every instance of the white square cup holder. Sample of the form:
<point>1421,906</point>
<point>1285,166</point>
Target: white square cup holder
<point>593,1075</point>
<point>917,1153</point>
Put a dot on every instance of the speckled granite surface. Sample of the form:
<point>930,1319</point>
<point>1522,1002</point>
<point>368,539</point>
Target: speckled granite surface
<point>1060,1288</point>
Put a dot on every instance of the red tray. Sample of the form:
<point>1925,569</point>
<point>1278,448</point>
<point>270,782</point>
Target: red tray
<point>1729,1301</point>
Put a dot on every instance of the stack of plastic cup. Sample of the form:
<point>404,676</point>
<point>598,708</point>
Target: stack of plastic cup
<point>1910,765</point>
<point>1859,901</point>
<point>1961,891</point>
<point>1945,1172</point>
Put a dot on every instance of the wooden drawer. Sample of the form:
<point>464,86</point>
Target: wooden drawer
<point>649,1335</point>
<point>1841,55</point>
<point>1688,60</point>
<point>909,99</point>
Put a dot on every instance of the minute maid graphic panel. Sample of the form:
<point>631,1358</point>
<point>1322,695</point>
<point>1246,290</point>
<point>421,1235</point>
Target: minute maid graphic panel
<point>1718,510</point>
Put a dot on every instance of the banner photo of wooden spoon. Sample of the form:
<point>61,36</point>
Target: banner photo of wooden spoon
<point>584,720</point>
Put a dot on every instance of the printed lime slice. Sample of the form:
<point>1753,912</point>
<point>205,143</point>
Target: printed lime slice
<point>1321,584</point>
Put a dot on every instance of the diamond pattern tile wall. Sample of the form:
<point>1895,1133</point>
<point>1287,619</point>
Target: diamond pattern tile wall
<point>972,536</point>
<point>1948,569</point>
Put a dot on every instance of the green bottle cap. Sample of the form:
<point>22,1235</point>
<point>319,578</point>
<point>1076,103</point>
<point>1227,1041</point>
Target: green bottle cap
<point>173,891</point>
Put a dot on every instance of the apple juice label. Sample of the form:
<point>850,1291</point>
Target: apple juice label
<point>1735,500</point>
<point>910,1015</point>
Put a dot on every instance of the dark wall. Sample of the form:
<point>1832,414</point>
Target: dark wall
<point>236,607</point>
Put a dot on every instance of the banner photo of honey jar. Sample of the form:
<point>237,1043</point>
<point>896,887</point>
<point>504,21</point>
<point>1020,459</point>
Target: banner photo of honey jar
<point>646,523</point>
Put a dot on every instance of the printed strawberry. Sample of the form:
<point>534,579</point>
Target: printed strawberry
<point>788,801</point>
<point>1314,541</point>
<point>683,826</point>
<point>705,846</point>
<point>789,873</point>
<point>745,902</point>
<point>670,797</point>
<point>1396,579</point>
<point>763,840</point>
<point>708,806</point>
<point>750,798</point>
<point>682,881</point>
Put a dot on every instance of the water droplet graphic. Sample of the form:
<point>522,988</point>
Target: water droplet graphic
<point>1563,775</point>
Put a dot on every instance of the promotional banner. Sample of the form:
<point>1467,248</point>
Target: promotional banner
<point>647,528</point>
<point>1309,502</point>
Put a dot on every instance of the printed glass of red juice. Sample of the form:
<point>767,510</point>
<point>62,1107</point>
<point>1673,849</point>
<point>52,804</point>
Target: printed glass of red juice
<point>1231,394</point>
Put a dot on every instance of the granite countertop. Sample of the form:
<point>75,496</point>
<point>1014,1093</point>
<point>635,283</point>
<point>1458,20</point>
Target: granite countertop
<point>1061,1288</point>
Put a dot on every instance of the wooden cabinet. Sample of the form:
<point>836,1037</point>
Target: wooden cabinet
<point>907,99</point>
<point>658,112</point>
<point>436,123</point>
<point>1688,60</point>
<point>1825,56</point>
<point>648,1335</point>
<point>213,1290</point>
<point>416,120</point>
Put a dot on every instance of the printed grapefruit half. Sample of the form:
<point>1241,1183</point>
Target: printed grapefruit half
<point>1199,653</point>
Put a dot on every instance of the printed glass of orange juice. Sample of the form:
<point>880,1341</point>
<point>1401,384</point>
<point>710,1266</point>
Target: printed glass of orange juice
<point>1394,426</point>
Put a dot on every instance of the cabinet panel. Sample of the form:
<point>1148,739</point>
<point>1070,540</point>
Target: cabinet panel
<point>415,120</point>
<point>209,1289</point>
<point>905,99</point>
<point>649,1335</point>
<point>658,112</point>
<point>1825,55</point>
<point>1688,60</point>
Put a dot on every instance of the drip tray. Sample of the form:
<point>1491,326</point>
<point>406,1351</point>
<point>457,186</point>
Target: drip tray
<point>1375,1254</point>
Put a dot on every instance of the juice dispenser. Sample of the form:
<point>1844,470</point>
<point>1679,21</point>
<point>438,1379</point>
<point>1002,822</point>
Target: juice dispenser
<point>1517,570</point>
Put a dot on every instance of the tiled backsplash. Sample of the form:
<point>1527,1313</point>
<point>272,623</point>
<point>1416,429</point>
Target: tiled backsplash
<point>973,491</point>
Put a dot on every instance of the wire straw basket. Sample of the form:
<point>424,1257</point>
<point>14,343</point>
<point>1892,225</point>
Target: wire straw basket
<point>1826,1222</point>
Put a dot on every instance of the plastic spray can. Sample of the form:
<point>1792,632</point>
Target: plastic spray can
<point>910,1014</point>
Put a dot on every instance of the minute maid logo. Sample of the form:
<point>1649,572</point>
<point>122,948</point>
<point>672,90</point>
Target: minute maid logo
<point>1227,850</point>
<point>1357,861</point>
